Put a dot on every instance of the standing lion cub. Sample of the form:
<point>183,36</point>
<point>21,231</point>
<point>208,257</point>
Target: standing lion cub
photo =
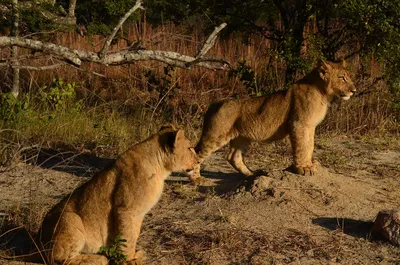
<point>115,201</point>
<point>296,111</point>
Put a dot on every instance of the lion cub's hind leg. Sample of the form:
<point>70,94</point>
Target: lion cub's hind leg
<point>239,147</point>
<point>69,243</point>
<point>208,144</point>
<point>88,259</point>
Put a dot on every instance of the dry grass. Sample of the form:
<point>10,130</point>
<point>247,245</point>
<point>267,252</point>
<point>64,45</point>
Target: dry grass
<point>142,95</point>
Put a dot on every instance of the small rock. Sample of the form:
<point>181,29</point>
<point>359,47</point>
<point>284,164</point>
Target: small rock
<point>387,226</point>
<point>263,185</point>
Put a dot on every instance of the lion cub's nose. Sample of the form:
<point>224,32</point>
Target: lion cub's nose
<point>190,171</point>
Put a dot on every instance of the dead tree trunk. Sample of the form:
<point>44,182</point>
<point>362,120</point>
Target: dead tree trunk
<point>71,8</point>
<point>14,49</point>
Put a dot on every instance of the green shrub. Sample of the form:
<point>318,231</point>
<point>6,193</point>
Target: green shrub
<point>13,109</point>
<point>114,253</point>
<point>60,96</point>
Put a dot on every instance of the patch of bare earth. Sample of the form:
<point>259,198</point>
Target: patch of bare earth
<point>280,218</point>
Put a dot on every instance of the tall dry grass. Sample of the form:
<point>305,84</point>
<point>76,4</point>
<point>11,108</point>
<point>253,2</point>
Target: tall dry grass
<point>142,95</point>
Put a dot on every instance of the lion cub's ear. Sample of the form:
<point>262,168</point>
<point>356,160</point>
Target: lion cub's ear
<point>179,138</point>
<point>324,69</point>
<point>173,139</point>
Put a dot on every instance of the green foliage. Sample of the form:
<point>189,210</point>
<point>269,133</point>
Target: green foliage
<point>50,102</point>
<point>100,16</point>
<point>60,96</point>
<point>11,109</point>
<point>248,77</point>
<point>34,18</point>
<point>377,25</point>
<point>394,87</point>
<point>99,28</point>
<point>114,253</point>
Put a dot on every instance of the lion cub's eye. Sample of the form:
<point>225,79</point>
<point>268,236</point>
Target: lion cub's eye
<point>192,150</point>
<point>342,78</point>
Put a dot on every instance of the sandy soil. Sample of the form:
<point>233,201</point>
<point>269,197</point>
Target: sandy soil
<point>281,218</point>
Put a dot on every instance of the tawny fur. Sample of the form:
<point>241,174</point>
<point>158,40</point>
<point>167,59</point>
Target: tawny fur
<point>295,112</point>
<point>115,201</point>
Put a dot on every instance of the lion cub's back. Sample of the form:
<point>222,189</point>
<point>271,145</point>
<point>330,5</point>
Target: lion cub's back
<point>264,118</point>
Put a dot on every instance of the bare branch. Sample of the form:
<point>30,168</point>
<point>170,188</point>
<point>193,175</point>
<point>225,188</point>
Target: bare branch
<point>210,41</point>
<point>86,70</point>
<point>36,68</point>
<point>42,68</point>
<point>206,47</point>
<point>115,58</point>
<point>60,51</point>
<point>118,26</point>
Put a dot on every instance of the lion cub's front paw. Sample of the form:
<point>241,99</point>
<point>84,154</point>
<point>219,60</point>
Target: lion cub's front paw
<point>140,257</point>
<point>305,170</point>
<point>197,181</point>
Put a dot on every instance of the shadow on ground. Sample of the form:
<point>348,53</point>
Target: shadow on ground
<point>15,241</point>
<point>219,183</point>
<point>79,164</point>
<point>355,228</point>
<point>85,165</point>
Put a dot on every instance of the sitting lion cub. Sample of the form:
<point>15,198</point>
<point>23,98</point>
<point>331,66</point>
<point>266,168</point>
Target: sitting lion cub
<point>296,111</point>
<point>115,201</point>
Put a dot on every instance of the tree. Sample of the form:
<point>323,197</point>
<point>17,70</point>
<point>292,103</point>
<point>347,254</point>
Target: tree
<point>120,57</point>
<point>364,27</point>
<point>346,27</point>
<point>38,16</point>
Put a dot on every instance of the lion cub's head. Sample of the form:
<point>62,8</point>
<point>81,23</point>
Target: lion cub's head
<point>180,154</point>
<point>338,80</point>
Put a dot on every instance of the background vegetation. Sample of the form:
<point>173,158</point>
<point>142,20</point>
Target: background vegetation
<point>270,44</point>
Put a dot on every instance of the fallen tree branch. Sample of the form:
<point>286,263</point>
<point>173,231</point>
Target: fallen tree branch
<point>42,68</point>
<point>51,48</point>
<point>114,58</point>
<point>37,68</point>
<point>121,57</point>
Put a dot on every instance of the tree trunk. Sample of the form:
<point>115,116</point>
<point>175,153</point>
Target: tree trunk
<point>293,65</point>
<point>71,8</point>
<point>14,49</point>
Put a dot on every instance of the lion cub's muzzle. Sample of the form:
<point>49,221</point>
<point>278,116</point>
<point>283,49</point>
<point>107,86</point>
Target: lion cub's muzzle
<point>189,172</point>
<point>346,95</point>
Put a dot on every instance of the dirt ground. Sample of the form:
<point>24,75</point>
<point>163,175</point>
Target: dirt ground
<point>281,218</point>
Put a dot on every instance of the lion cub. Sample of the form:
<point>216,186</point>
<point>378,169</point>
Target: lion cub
<point>296,111</point>
<point>115,201</point>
